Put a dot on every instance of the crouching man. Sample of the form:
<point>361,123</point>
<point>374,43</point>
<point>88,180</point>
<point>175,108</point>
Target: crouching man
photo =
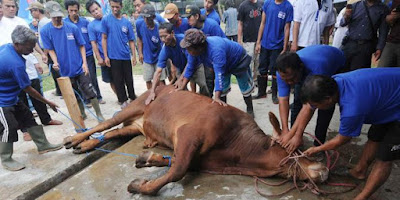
<point>15,114</point>
<point>365,96</point>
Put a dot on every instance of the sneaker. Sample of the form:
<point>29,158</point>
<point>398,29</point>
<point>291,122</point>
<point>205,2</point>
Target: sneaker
<point>125,104</point>
<point>101,101</point>
<point>27,136</point>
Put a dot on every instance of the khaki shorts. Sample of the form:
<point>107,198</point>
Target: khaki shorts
<point>148,72</point>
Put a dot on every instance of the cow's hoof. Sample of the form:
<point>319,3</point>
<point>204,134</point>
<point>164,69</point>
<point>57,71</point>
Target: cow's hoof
<point>134,186</point>
<point>141,161</point>
<point>86,146</point>
<point>69,142</point>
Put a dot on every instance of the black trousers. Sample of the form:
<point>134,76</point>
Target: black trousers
<point>39,106</point>
<point>55,74</point>
<point>358,55</point>
<point>121,71</point>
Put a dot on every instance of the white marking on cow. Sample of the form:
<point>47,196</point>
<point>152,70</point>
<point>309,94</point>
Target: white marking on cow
<point>196,186</point>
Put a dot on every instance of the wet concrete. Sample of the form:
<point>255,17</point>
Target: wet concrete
<point>108,177</point>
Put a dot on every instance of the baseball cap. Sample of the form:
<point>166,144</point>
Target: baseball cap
<point>191,10</point>
<point>170,10</point>
<point>193,36</point>
<point>54,9</point>
<point>148,11</point>
<point>35,5</point>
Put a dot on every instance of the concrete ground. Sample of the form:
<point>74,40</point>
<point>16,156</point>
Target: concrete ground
<point>63,175</point>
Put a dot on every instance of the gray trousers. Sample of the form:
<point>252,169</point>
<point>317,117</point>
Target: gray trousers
<point>200,79</point>
<point>390,56</point>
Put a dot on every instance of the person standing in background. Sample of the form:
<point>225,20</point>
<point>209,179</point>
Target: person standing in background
<point>230,19</point>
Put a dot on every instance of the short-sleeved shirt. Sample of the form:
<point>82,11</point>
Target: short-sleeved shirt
<point>95,34</point>
<point>250,15</point>
<point>82,25</point>
<point>13,77</point>
<point>230,19</point>
<point>65,41</point>
<point>317,60</point>
<point>182,26</point>
<point>151,41</point>
<point>7,26</point>
<point>212,15</point>
<point>368,96</point>
<point>211,28</point>
<point>222,55</point>
<point>277,16</point>
<point>41,24</point>
<point>175,53</point>
<point>119,32</point>
<point>312,20</point>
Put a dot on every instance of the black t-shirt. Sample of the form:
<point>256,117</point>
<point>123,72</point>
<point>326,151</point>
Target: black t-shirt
<point>250,15</point>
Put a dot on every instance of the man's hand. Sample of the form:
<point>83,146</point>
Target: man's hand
<point>150,98</point>
<point>283,50</point>
<point>312,150</point>
<point>56,67</point>
<point>107,61</point>
<point>285,137</point>
<point>45,59</point>
<point>39,68</point>
<point>141,58</point>
<point>377,54</point>
<point>53,106</point>
<point>294,47</point>
<point>134,62</point>
<point>219,101</point>
<point>293,143</point>
<point>100,61</point>
<point>258,48</point>
<point>85,68</point>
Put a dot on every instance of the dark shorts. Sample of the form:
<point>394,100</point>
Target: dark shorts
<point>388,136</point>
<point>106,74</point>
<point>13,118</point>
<point>83,85</point>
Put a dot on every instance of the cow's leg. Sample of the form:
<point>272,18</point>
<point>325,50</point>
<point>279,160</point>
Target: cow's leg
<point>87,145</point>
<point>184,150</point>
<point>151,159</point>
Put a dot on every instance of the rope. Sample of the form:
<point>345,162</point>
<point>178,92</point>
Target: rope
<point>84,105</point>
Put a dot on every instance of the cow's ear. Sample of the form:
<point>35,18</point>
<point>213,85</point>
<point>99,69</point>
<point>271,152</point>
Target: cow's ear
<point>275,124</point>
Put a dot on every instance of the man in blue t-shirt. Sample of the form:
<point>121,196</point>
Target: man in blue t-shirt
<point>67,50</point>
<point>95,35</point>
<point>138,9</point>
<point>171,50</point>
<point>273,37</point>
<point>82,23</point>
<point>292,69</point>
<point>172,14</point>
<point>209,10</point>
<point>117,33</point>
<point>365,96</point>
<point>15,114</point>
<point>209,28</point>
<point>149,44</point>
<point>225,57</point>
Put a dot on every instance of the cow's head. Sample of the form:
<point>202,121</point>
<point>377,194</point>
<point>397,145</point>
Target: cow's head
<point>306,168</point>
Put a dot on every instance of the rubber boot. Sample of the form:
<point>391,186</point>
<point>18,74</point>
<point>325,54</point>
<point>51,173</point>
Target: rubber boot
<point>96,107</point>
<point>82,109</point>
<point>6,152</point>
<point>262,87</point>
<point>43,145</point>
<point>223,99</point>
<point>249,103</point>
<point>274,89</point>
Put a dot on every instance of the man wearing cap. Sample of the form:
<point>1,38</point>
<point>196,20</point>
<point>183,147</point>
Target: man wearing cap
<point>15,114</point>
<point>149,43</point>
<point>117,33</point>
<point>172,50</point>
<point>138,8</point>
<point>209,10</point>
<point>82,23</point>
<point>172,14</point>
<point>225,57</point>
<point>66,48</point>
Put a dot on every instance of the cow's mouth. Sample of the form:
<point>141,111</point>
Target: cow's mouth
<point>318,172</point>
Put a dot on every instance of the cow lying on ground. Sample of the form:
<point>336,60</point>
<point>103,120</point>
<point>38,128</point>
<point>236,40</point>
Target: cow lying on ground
<point>203,135</point>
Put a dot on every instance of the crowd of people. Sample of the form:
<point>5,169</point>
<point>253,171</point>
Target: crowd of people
<point>285,41</point>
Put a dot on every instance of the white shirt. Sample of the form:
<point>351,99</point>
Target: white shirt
<point>312,21</point>
<point>41,23</point>
<point>30,66</point>
<point>293,2</point>
<point>340,31</point>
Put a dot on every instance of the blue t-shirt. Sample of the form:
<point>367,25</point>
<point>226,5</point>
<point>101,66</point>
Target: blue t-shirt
<point>368,96</point>
<point>182,27</point>
<point>222,54</point>
<point>158,18</point>
<point>95,34</point>
<point>13,76</point>
<point>276,17</point>
<point>211,28</point>
<point>119,32</point>
<point>65,41</point>
<point>318,60</point>
<point>151,41</point>
<point>82,25</point>
<point>212,15</point>
<point>176,54</point>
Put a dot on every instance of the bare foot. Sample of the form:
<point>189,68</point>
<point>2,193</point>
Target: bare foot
<point>358,174</point>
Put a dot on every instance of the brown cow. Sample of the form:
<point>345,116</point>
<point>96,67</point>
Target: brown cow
<point>204,135</point>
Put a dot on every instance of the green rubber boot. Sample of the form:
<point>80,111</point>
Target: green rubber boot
<point>6,152</point>
<point>96,107</point>
<point>82,109</point>
<point>43,145</point>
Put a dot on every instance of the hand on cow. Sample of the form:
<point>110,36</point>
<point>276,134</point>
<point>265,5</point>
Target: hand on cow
<point>150,98</point>
<point>285,137</point>
<point>312,150</point>
<point>293,143</point>
<point>220,102</point>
